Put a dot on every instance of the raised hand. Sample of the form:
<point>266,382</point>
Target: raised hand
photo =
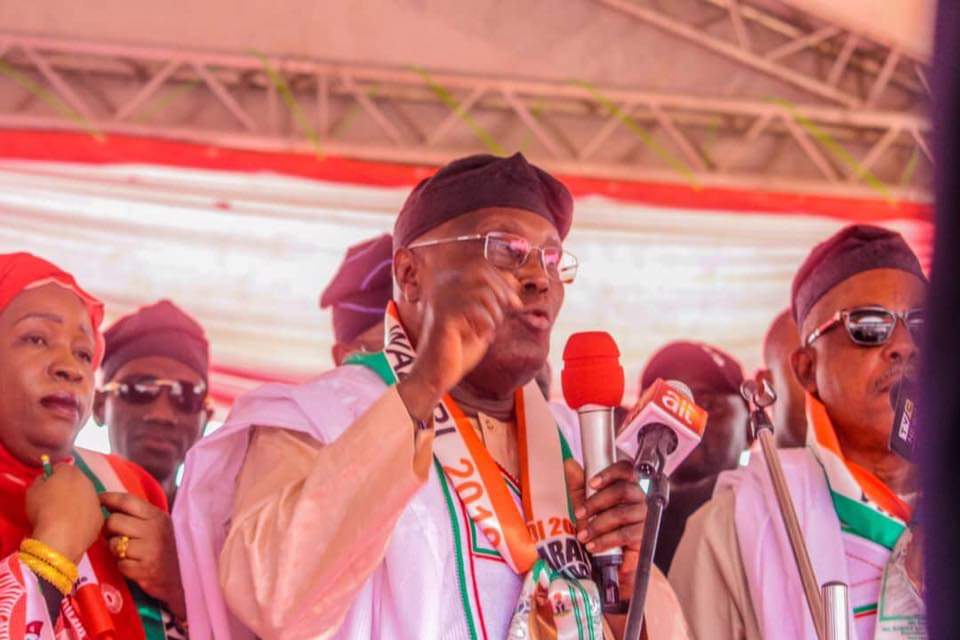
<point>64,511</point>
<point>459,323</point>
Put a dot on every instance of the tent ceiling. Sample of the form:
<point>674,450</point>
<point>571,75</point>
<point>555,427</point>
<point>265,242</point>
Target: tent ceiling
<point>905,24</point>
<point>768,94</point>
<point>500,37</point>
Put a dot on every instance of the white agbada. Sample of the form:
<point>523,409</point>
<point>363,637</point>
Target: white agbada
<point>420,566</point>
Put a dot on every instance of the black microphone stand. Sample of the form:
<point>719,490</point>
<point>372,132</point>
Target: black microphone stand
<point>656,442</point>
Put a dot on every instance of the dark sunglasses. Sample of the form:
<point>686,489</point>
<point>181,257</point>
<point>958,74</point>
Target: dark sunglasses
<point>186,397</point>
<point>872,326</point>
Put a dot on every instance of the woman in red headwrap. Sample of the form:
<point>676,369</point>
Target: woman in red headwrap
<point>59,575</point>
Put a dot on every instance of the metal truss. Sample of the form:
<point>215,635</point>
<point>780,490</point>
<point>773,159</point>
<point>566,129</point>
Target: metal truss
<point>827,61</point>
<point>413,115</point>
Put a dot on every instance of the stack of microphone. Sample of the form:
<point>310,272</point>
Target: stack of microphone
<point>666,428</point>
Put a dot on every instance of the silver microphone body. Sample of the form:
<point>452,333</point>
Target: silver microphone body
<point>599,452</point>
<point>596,439</point>
<point>599,449</point>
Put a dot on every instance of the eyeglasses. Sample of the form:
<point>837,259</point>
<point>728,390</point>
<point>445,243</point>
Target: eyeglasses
<point>872,326</point>
<point>510,252</point>
<point>187,398</point>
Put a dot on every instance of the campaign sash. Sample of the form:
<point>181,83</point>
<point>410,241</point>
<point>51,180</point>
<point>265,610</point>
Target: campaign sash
<point>538,543</point>
<point>867,508</point>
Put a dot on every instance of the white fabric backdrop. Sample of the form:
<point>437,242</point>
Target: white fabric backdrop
<point>248,254</point>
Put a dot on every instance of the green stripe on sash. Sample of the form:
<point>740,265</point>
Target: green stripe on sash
<point>376,362</point>
<point>585,600</point>
<point>92,477</point>
<point>573,599</point>
<point>568,455</point>
<point>460,552</point>
<point>863,521</point>
<point>149,609</point>
<point>565,448</point>
<point>867,608</point>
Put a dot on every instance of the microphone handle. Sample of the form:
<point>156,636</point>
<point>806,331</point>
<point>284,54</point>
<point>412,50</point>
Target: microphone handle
<point>599,448</point>
<point>657,500</point>
<point>599,452</point>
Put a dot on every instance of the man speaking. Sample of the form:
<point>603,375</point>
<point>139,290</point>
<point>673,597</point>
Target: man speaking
<point>428,491</point>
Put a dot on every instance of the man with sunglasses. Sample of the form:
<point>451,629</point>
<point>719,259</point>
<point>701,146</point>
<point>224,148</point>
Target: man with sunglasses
<point>857,300</point>
<point>429,490</point>
<point>154,395</point>
<point>154,404</point>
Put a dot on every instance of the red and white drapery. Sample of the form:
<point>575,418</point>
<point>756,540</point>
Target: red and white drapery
<point>246,241</point>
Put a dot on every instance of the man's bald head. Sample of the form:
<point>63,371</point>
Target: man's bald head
<point>782,337</point>
<point>789,418</point>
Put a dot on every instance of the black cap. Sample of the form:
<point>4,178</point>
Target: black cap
<point>718,367</point>
<point>160,329</point>
<point>852,250</point>
<point>480,182</point>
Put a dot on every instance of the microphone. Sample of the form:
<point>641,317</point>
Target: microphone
<point>903,436</point>
<point>593,382</point>
<point>667,428</point>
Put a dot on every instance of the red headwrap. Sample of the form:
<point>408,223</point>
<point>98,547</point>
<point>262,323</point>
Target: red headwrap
<point>22,271</point>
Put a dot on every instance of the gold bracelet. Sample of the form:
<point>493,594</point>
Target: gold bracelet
<point>53,558</point>
<point>48,573</point>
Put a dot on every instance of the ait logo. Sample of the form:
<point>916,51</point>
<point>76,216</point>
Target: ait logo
<point>112,598</point>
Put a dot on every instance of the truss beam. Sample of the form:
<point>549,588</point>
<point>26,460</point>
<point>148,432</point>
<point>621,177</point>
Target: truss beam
<point>420,116</point>
<point>891,77</point>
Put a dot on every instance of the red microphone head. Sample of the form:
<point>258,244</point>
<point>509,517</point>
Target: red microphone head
<point>591,370</point>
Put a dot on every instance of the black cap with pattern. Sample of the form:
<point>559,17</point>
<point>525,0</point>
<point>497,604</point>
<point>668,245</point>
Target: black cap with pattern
<point>852,250</point>
<point>480,182</point>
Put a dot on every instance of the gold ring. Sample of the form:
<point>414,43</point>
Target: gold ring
<point>122,543</point>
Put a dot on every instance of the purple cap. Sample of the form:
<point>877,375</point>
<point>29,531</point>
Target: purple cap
<point>160,329</point>
<point>361,288</point>
<point>480,182</point>
<point>852,250</point>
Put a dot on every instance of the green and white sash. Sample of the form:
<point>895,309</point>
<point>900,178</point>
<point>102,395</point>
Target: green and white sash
<point>870,511</point>
<point>537,541</point>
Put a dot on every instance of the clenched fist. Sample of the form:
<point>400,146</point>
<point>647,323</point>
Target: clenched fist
<point>460,321</point>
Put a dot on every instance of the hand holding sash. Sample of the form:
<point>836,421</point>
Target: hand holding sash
<point>149,556</point>
<point>460,319</point>
<point>64,511</point>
